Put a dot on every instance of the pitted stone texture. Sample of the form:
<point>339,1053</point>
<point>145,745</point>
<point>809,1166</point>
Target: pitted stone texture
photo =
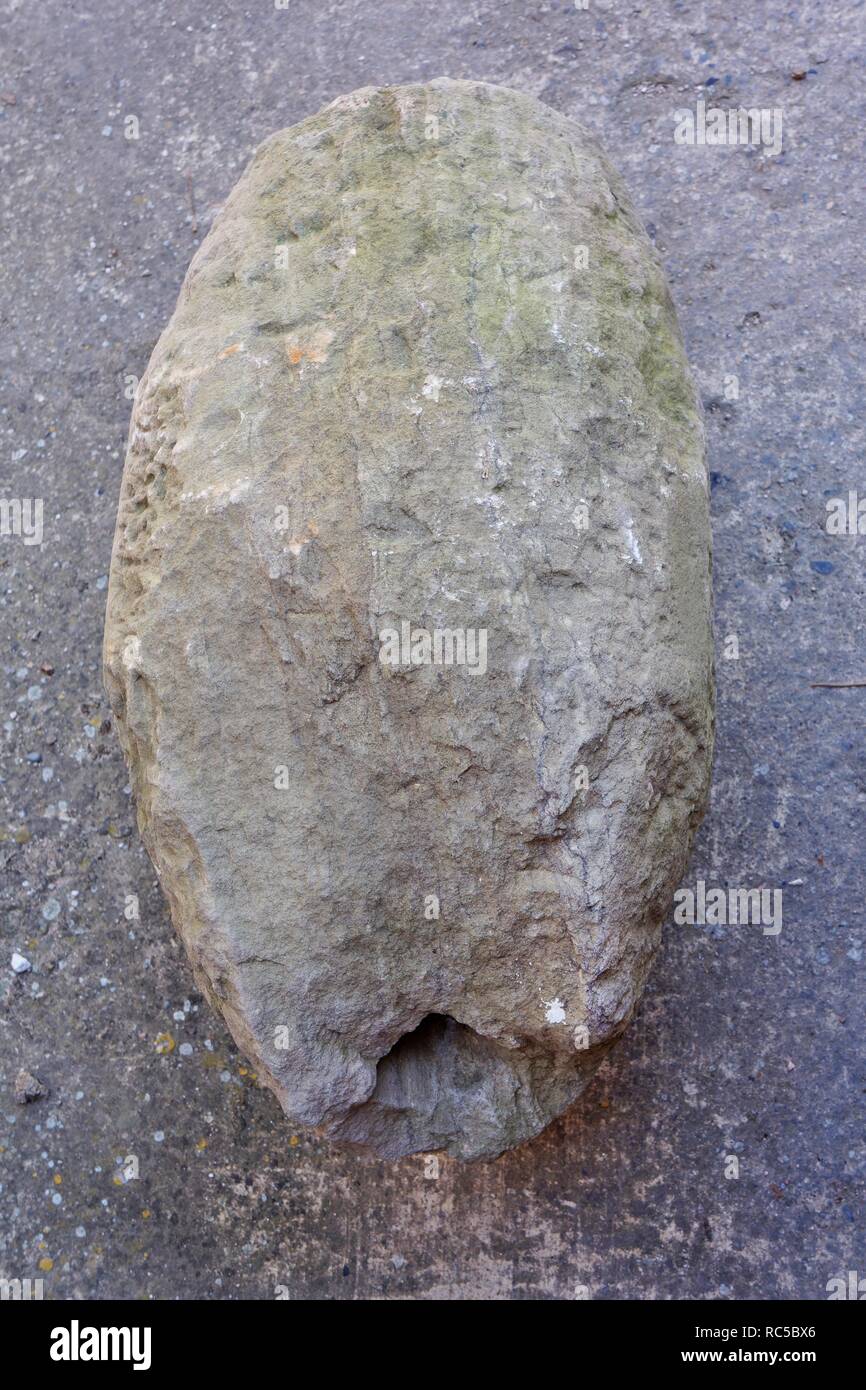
<point>424,368</point>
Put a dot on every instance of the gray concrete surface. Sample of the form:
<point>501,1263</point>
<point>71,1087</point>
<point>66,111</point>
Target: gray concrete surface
<point>747,1045</point>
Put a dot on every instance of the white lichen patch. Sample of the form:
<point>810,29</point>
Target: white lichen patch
<point>633,542</point>
<point>554,1011</point>
<point>220,495</point>
<point>433,385</point>
<point>131,654</point>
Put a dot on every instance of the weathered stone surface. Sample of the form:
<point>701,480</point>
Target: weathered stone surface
<point>425,369</point>
<point>28,1087</point>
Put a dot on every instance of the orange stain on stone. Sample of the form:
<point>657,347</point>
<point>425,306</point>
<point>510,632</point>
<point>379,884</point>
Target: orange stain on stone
<point>296,543</point>
<point>314,348</point>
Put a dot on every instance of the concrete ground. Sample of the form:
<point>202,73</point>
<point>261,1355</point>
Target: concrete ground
<point>154,1167</point>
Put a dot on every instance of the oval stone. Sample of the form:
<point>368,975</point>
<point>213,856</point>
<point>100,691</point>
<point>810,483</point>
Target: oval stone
<point>408,635</point>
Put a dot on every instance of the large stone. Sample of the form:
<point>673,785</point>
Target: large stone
<point>424,373</point>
